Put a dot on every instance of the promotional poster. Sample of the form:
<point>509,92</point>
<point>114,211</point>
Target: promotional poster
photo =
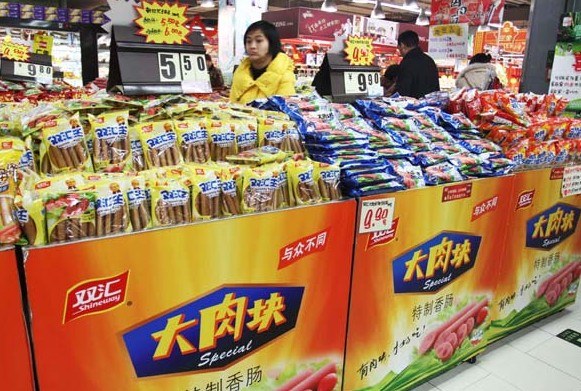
<point>474,12</point>
<point>422,290</point>
<point>234,304</point>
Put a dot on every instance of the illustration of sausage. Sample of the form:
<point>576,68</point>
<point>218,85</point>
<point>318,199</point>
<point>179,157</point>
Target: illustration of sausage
<point>444,351</point>
<point>312,382</point>
<point>295,381</point>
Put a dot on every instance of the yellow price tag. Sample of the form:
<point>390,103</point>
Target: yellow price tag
<point>359,50</point>
<point>162,23</point>
<point>42,44</point>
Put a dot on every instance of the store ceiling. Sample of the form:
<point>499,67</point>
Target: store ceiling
<point>345,6</point>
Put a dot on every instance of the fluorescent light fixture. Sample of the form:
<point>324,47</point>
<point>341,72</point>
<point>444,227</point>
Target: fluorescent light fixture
<point>422,19</point>
<point>377,12</point>
<point>396,6</point>
<point>207,4</point>
<point>329,6</point>
<point>360,1</point>
<point>411,4</point>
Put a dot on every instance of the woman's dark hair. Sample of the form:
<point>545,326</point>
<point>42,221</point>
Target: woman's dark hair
<point>391,72</point>
<point>271,34</point>
<point>481,58</point>
<point>409,39</point>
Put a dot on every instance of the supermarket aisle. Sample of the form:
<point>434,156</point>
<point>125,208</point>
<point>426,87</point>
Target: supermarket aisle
<point>533,359</point>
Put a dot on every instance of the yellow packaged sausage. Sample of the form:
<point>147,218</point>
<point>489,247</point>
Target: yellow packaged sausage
<point>64,140</point>
<point>193,139</point>
<point>111,141</point>
<point>303,185</point>
<point>206,192</point>
<point>170,203</point>
<point>159,142</point>
<point>326,176</point>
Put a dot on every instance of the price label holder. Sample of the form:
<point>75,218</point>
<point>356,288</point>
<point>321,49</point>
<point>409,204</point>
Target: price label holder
<point>140,68</point>
<point>37,69</point>
<point>376,215</point>
<point>571,184</point>
<point>346,82</point>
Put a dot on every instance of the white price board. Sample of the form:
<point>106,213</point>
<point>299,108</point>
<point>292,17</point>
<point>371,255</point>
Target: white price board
<point>189,69</point>
<point>448,41</point>
<point>571,181</point>
<point>376,215</point>
<point>42,73</point>
<point>367,83</point>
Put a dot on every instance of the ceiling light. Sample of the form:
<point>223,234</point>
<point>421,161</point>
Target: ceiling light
<point>484,28</point>
<point>377,12</point>
<point>422,19</point>
<point>207,4</point>
<point>329,6</point>
<point>411,4</point>
<point>361,1</point>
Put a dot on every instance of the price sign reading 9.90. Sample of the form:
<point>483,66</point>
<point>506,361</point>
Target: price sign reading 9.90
<point>363,83</point>
<point>376,215</point>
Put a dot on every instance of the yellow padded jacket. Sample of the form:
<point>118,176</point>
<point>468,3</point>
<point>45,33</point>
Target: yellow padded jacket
<point>279,79</point>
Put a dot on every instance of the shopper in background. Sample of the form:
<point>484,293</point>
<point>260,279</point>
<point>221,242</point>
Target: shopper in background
<point>266,71</point>
<point>479,73</point>
<point>216,78</point>
<point>389,80</point>
<point>418,73</point>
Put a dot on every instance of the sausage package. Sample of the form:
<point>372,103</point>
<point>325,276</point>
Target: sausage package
<point>159,143</point>
<point>230,184</point>
<point>138,203</point>
<point>138,162</point>
<point>70,215</point>
<point>271,132</point>
<point>222,138</point>
<point>206,192</point>
<point>30,214</point>
<point>64,141</point>
<point>246,134</point>
<point>111,141</point>
<point>303,185</point>
<point>327,178</point>
<point>193,139</point>
<point>111,214</point>
<point>259,190</point>
<point>170,203</point>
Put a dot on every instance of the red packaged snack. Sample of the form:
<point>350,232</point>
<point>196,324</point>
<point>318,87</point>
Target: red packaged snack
<point>472,104</point>
<point>539,131</point>
<point>574,129</point>
<point>557,128</point>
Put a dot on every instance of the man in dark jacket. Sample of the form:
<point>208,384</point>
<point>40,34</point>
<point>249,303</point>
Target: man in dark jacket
<point>418,73</point>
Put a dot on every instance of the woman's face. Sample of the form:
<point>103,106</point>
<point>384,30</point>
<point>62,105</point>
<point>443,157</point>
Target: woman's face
<point>256,46</point>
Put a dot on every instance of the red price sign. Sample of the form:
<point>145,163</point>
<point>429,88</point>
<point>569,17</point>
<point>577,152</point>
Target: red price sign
<point>376,215</point>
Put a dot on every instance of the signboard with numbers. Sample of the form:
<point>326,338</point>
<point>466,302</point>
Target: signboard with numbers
<point>139,68</point>
<point>38,69</point>
<point>345,82</point>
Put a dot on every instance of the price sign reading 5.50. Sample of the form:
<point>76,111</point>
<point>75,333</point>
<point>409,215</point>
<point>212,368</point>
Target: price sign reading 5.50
<point>376,215</point>
<point>367,83</point>
<point>178,67</point>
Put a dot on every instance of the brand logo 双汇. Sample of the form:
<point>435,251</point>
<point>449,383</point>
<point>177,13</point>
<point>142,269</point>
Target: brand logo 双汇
<point>434,264</point>
<point>94,296</point>
<point>214,331</point>
<point>550,227</point>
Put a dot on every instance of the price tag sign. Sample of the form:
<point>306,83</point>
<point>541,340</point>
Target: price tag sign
<point>571,184</point>
<point>376,215</point>
<point>41,73</point>
<point>187,68</point>
<point>367,83</point>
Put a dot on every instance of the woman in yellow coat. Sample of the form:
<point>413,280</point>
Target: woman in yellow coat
<point>267,70</point>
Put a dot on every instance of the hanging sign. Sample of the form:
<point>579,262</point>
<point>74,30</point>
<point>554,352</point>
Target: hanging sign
<point>162,23</point>
<point>474,12</point>
<point>42,44</point>
<point>13,51</point>
<point>449,41</point>
<point>359,50</point>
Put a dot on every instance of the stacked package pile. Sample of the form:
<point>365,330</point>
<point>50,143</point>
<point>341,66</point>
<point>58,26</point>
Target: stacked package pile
<point>396,144</point>
<point>109,165</point>
<point>526,126</point>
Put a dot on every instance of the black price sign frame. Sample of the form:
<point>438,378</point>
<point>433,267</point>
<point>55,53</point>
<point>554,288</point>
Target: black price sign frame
<point>36,66</point>
<point>331,78</point>
<point>140,68</point>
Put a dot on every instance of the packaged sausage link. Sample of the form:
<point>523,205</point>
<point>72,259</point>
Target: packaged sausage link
<point>222,139</point>
<point>288,199</point>
<point>137,203</point>
<point>64,140</point>
<point>230,183</point>
<point>111,142</point>
<point>246,134</point>
<point>327,178</point>
<point>271,132</point>
<point>170,202</point>
<point>206,192</point>
<point>303,185</point>
<point>30,215</point>
<point>292,139</point>
<point>193,139</point>
<point>111,214</point>
<point>11,151</point>
<point>69,215</point>
<point>159,143</point>
<point>259,189</point>
<point>258,156</point>
<point>138,162</point>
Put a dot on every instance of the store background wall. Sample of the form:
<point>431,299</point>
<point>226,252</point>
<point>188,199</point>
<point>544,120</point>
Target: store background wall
<point>543,27</point>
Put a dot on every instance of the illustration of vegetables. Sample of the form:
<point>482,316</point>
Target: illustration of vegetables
<point>449,336</point>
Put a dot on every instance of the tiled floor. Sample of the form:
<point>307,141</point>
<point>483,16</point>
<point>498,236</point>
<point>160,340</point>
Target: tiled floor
<point>533,359</point>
